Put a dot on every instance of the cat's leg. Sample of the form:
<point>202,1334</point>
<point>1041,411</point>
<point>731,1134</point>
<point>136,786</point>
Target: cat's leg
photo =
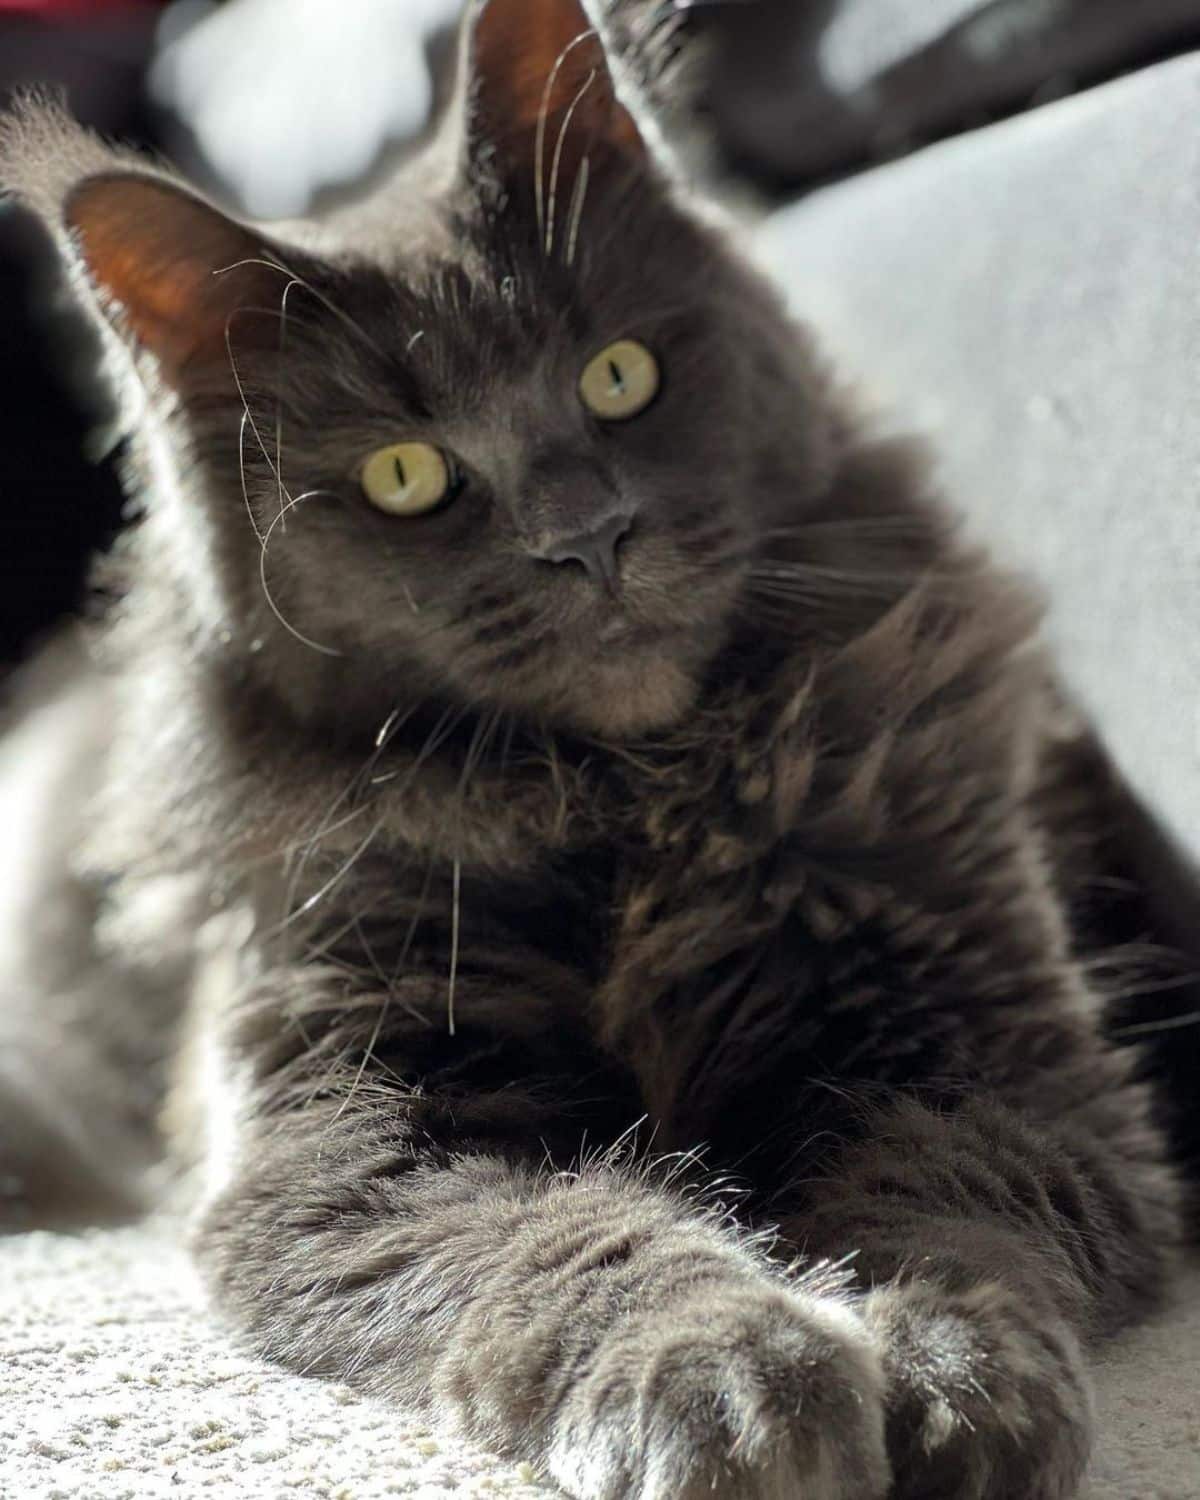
<point>414,1238</point>
<point>992,1247</point>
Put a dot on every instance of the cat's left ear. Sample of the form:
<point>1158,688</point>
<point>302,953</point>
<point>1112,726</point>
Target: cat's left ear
<point>541,93</point>
<point>171,271</point>
<point>168,271</point>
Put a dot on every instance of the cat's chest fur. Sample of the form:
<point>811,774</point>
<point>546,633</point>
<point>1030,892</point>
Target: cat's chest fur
<point>756,895</point>
<point>755,834</point>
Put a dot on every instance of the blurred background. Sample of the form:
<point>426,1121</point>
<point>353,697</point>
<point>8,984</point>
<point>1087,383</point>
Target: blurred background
<point>272,103</point>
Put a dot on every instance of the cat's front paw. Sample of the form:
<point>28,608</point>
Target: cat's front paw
<point>987,1397</point>
<point>744,1393</point>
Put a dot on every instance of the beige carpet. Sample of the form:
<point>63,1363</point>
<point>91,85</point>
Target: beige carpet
<point>116,1385</point>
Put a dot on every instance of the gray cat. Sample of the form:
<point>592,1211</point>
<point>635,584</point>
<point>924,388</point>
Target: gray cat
<point>600,818</point>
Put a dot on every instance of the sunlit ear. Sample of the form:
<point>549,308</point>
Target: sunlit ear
<point>543,93</point>
<point>173,269</point>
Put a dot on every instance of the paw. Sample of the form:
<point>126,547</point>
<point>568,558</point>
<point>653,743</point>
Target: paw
<point>987,1399</point>
<point>742,1393</point>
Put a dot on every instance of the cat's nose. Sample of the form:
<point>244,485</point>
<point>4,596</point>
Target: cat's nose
<point>595,548</point>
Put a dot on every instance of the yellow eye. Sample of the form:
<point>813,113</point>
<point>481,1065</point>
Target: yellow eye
<point>621,381</point>
<point>406,479</point>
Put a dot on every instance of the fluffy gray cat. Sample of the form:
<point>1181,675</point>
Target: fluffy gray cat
<point>577,829</point>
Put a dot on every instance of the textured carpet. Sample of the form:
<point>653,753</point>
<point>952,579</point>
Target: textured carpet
<point>115,1384</point>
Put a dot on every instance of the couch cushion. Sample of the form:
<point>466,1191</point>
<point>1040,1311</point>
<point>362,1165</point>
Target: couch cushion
<point>1029,295</point>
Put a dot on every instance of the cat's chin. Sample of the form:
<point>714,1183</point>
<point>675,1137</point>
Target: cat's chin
<point>627,696</point>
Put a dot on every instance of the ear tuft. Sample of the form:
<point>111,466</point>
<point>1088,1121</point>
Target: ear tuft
<point>43,151</point>
<point>166,268</point>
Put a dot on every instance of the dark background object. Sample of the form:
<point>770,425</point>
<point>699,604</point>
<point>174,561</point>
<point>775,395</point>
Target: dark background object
<point>789,109</point>
<point>57,505</point>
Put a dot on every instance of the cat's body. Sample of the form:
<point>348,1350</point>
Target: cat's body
<point>629,1013</point>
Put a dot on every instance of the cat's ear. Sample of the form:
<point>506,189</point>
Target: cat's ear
<point>542,95</point>
<point>170,270</point>
<point>167,270</point>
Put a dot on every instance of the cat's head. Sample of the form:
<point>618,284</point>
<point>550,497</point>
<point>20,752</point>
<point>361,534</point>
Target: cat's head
<point>508,432</point>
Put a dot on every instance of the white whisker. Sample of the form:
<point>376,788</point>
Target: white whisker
<point>539,144</point>
<point>284,270</point>
<point>578,194</point>
<point>262,574</point>
<point>279,397</point>
<point>385,729</point>
<point>242,473</point>
<point>391,726</point>
<point>377,1031</point>
<point>241,390</point>
<point>454,924</point>
<point>327,830</point>
<point>562,134</point>
<point>338,875</point>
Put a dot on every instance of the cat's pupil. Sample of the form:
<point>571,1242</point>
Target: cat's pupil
<point>614,374</point>
<point>401,478</point>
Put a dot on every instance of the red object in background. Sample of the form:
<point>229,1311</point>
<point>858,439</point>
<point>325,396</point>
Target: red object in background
<point>75,9</point>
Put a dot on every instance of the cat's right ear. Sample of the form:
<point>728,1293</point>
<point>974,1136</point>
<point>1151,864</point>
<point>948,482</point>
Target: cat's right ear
<point>541,96</point>
<point>168,271</point>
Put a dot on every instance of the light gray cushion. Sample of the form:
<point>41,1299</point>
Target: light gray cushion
<point>1029,296</point>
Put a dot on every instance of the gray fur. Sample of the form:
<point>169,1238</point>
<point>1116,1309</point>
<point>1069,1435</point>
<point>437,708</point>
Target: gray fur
<point>645,1032</point>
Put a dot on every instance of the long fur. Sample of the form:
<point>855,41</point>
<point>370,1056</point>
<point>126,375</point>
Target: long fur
<point>651,1034</point>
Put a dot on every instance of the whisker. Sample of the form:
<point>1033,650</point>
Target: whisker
<point>889,526</point>
<point>320,950</point>
<point>562,135</point>
<point>241,390</point>
<point>1151,1028</point>
<point>822,571</point>
<point>539,144</point>
<point>279,396</point>
<point>285,270</point>
<point>338,875</point>
<point>391,726</point>
<point>377,1031</point>
<point>480,741</point>
<point>309,841</point>
<point>265,537</point>
<point>578,194</point>
<point>416,920</point>
<point>262,574</point>
<point>242,472</point>
<point>454,926</point>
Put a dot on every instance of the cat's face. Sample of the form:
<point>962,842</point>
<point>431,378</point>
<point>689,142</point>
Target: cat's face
<point>527,481</point>
<point>489,439</point>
